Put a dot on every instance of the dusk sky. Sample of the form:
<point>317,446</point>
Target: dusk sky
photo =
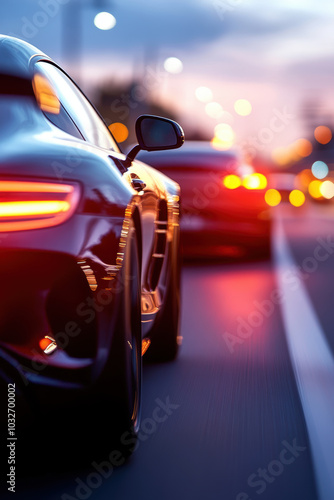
<point>278,55</point>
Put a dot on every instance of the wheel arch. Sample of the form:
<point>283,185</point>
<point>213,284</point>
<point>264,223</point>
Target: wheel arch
<point>137,223</point>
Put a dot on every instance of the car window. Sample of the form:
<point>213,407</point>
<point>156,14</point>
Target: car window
<point>77,107</point>
<point>51,106</point>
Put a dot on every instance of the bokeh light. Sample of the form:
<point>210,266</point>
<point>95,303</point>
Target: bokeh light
<point>281,156</point>
<point>303,147</point>
<point>273,197</point>
<point>323,134</point>
<point>305,177</point>
<point>204,94</point>
<point>224,137</point>
<point>224,132</point>
<point>243,107</point>
<point>255,181</point>
<point>119,131</point>
<point>297,198</point>
<point>314,189</point>
<point>220,145</point>
<point>319,169</point>
<point>104,21</point>
<point>173,65</point>
<point>232,181</point>
<point>327,189</point>
<point>214,110</point>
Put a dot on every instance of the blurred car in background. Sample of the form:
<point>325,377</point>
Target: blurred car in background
<point>285,187</point>
<point>223,207</point>
<point>283,182</point>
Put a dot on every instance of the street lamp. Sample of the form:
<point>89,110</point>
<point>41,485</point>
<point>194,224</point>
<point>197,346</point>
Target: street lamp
<point>104,21</point>
<point>72,27</point>
<point>173,65</point>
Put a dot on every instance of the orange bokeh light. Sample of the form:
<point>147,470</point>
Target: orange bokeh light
<point>303,147</point>
<point>314,189</point>
<point>119,131</point>
<point>305,177</point>
<point>323,134</point>
<point>273,197</point>
<point>297,198</point>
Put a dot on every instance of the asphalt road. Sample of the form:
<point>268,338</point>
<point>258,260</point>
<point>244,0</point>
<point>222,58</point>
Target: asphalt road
<point>240,420</point>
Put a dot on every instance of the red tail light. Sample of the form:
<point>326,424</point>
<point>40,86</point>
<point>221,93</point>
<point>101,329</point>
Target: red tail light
<point>32,205</point>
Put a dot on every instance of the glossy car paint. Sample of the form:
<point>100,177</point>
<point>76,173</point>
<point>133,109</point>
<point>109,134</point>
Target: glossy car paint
<point>65,281</point>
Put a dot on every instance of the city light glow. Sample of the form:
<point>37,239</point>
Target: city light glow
<point>273,197</point>
<point>319,169</point>
<point>297,198</point>
<point>203,94</point>
<point>243,107</point>
<point>232,181</point>
<point>173,65</point>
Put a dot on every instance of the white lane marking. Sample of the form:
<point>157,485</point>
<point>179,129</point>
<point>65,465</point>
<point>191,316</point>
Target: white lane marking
<point>312,361</point>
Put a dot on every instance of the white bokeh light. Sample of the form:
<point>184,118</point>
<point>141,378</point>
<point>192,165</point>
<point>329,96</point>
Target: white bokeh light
<point>173,65</point>
<point>327,190</point>
<point>204,94</point>
<point>104,21</point>
<point>214,110</point>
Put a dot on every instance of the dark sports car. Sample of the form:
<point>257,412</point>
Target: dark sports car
<point>89,245</point>
<point>224,211</point>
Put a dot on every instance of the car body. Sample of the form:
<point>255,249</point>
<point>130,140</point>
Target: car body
<point>224,212</point>
<point>88,242</point>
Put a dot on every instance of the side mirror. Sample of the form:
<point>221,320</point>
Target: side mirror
<point>155,133</point>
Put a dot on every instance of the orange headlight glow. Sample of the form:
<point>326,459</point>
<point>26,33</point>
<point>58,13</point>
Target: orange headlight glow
<point>33,205</point>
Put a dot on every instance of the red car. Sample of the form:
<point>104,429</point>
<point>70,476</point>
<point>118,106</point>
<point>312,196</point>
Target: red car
<point>224,212</point>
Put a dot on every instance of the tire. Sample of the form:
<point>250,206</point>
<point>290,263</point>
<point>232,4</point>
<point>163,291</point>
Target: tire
<point>120,401</point>
<point>165,335</point>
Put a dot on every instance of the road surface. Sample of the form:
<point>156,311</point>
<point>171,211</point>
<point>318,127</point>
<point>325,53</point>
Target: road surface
<point>244,411</point>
